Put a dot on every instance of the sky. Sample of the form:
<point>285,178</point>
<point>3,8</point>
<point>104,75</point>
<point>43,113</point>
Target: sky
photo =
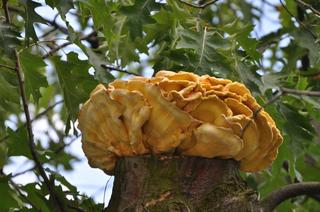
<point>92,181</point>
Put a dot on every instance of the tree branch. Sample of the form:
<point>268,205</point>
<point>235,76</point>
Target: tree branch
<point>51,22</point>
<point>283,91</point>
<point>8,67</point>
<point>55,24</point>
<point>24,197</point>
<point>54,50</point>
<point>111,68</point>
<point>300,92</point>
<point>278,196</point>
<point>57,151</point>
<point>255,114</point>
<point>300,22</point>
<point>5,7</point>
<point>200,6</point>
<point>32,147</point>
<point>309,7</point>
<point>35,118</point>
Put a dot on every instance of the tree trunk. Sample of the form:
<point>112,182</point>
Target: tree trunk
<point>162,183</point>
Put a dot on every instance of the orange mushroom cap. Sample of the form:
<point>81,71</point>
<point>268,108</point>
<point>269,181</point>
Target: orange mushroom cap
<point>177,112</point>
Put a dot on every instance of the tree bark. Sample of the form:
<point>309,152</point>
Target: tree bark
<point>162,183</point>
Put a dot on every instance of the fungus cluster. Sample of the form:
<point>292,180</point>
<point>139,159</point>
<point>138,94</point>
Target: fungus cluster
<point>180,113</point>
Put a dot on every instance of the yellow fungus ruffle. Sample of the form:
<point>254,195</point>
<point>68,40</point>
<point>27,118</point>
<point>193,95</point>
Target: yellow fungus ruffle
<point>180,113</point>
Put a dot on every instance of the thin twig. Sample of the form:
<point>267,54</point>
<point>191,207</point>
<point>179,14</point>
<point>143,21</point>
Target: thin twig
<point>8,67</point>
<point>269,4</point>
<point>310,74</point>
<point>55,24</point>
<point>309,7</point>
<point>51,22</point>
<point>200,6</point>
<point>5,7</point>
<point>35,118</point>
<point>111,68</point>
<point>24,197</point>
<point>76,208</point>
<point>104,193</point>
<point>32,147</point>
<point>55,27</point>
<point>300,22</point>
<point>57,151</point>
<point>283,91</point>
<point>255,114</point>
<point>48,32</point>
<point>278,196</point>
<point>300,92</point>
<point>38,44</point>
<point>54,50</point>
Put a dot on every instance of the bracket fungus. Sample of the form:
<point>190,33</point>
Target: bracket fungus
<point>180,113</point>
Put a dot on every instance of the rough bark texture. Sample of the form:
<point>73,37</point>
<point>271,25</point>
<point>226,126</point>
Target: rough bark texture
<point>179,184</point>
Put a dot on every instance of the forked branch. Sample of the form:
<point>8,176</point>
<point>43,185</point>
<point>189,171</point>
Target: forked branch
<point>276,197</point>
<point>49,185</point>
<point>111,68</point>
<point>200,6</point>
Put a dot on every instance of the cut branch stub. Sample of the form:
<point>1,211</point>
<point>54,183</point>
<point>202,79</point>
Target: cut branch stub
<point>156,183</point>
<point>177,114</point>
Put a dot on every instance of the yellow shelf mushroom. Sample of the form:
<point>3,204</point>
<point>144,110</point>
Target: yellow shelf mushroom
<point>177,112</point>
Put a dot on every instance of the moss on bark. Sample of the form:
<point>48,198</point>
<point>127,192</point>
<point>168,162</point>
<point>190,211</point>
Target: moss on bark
<point>162,183</point>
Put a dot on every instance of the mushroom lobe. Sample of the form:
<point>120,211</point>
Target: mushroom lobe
<point>177,113</point>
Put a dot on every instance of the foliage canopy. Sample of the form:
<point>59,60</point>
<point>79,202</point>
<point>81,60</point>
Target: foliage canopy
<point>115,39</point>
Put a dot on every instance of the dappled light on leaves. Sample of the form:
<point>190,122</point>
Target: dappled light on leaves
<point>177,113</point>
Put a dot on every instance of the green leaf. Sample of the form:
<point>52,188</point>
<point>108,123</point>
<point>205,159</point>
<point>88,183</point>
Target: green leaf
<point>8,39</point>
<point>8,197</point>
<point>102,13</point>
<point>247,43</point>
<point>293,53</point>
<point>305,40</point>
<point>285,17</point>
<point>270,81</point>
<point>61,179</point>
<point>30,17</point>
<point>164,29</point>
<point>63,6</point>
<point>138,14</point>
<point>63,158</point>
<point>18,143</point>
<point>33,68</point>
<point>97,60</point>
<point>8,91</point>
<point>205,46</point>
<point>3,155</point>
<point>297,127</point>
<point>75,81</point>
<point>46,96</point>
<point>242,35</point>
<point>35,197</point>
<point>247,74</point>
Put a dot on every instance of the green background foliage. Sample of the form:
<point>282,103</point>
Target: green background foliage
<point>136,36</point>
